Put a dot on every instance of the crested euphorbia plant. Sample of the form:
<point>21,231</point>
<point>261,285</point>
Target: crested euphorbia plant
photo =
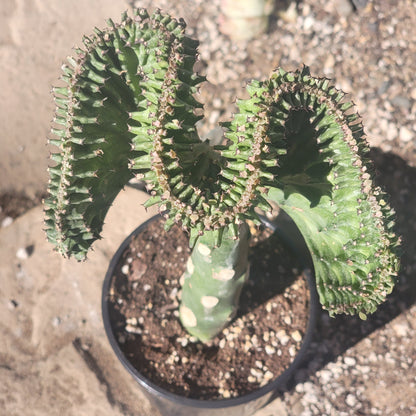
<point>128,111</point>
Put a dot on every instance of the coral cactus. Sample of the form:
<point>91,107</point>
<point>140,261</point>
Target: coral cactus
<point>128,111</point>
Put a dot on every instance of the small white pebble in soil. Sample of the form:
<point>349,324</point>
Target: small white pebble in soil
<point>251,379</point>
<point>179,249</point>
<point>287,320</point>
<point>131,321</point>
<point>125,269</point>
<point>292,350</point>
<point>282,337</point>
<point>259,364</point>
<point>146,287</point>
<point>269,350</point>
<point>256,373</point>
<point>297,336</point>
<point>226,394</point>
<point>247,346</point>
<point>133,329</point>
<point>268,375</point>
<point>269,307</point>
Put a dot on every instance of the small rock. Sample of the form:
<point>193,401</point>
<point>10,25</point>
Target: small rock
<point>350,361</point>
<point>351,400</point>
<point>360,4</point>
<point>402,102</point>
<point>133,329</point>
<point>125,269</point>
<point>297,336</point>
<point>308,23</point>
<point>22,253</point>
<point>12,304</point>
<point>406,134</point>
<point>343,7</point>
<point>226,394</point>
<point>56,321</point>
<point>400,329</point>
<point>287,320</point>
<point>6,222</point>
<point>269,350</point>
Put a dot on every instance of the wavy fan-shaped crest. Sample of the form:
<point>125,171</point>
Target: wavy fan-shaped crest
<point>128,110</point>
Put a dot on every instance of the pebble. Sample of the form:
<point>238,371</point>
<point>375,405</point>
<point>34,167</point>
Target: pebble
<point>297,336</point>
<point>343,7</point>
<point>402,102</point>
<point>350,361</point>
<point>6,222</point>
<point>406,134</point>
<point>269,349</point>
<point>125,269</point>
<point>133,329</point>
<point>351,400</point>
<point>12,304</point>
<point>22,253</point>
<point>251,379</point>
<point>400,329</point>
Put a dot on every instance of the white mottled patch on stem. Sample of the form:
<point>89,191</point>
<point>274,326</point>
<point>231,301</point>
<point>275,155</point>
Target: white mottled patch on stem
<point>224,275</point>
<point>187,316</point>
<point>209,301</point>
<point>204,250</point>
<point>190,266</point>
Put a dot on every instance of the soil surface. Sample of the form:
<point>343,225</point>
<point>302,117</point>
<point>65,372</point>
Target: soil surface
<point>253,350</point>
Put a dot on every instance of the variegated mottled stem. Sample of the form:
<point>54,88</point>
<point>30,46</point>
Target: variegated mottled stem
<point>212,283</point>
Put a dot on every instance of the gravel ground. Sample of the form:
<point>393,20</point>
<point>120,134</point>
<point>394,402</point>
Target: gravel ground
<point>369,53</point>
<point>354,367</point>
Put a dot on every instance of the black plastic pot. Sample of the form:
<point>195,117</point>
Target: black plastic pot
<point>170,404</point>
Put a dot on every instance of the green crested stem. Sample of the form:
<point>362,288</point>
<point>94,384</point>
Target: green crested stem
<point>128,110</point>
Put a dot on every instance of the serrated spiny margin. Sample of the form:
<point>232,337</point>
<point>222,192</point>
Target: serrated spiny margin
<point>106,91</point>
<point>356,264</point>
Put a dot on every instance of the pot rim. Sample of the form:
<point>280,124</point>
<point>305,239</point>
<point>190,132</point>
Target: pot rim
<point>152,388</point>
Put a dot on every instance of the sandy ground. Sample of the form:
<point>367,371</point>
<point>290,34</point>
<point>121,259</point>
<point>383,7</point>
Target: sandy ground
<point>54,358</point>
<point>35,38</point>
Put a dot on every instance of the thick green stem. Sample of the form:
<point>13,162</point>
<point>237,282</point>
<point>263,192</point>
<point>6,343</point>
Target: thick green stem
<point>212,283</point>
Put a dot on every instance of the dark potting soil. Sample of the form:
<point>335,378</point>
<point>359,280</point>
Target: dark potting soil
<point>257,346</point>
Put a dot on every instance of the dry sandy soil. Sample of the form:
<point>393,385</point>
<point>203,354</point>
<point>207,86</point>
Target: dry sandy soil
<point>354,367</point>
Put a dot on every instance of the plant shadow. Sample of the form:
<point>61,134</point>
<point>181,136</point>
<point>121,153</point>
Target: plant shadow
<point>334,336</point>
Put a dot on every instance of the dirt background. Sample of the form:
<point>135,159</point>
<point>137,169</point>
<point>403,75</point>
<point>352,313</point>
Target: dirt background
<point>354,367</point>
